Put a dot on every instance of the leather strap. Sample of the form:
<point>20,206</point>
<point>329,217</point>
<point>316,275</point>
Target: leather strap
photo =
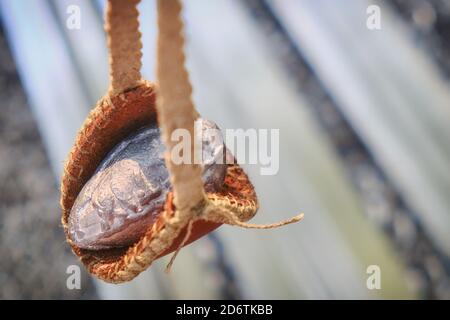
<point>124,42</point>
<point>174,104</point>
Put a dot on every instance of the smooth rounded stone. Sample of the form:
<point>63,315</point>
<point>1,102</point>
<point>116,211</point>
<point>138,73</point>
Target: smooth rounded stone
<point>120,201</point>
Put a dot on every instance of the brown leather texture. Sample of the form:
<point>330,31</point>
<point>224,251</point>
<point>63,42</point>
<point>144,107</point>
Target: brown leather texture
<point>124,43</point>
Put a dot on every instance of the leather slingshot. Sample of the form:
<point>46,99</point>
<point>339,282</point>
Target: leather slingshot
<point>132,102</point>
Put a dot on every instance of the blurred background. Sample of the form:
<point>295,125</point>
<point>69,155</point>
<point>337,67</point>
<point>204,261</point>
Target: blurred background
<point>364,127</point>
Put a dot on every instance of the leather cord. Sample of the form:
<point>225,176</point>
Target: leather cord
<point>124,42</point>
